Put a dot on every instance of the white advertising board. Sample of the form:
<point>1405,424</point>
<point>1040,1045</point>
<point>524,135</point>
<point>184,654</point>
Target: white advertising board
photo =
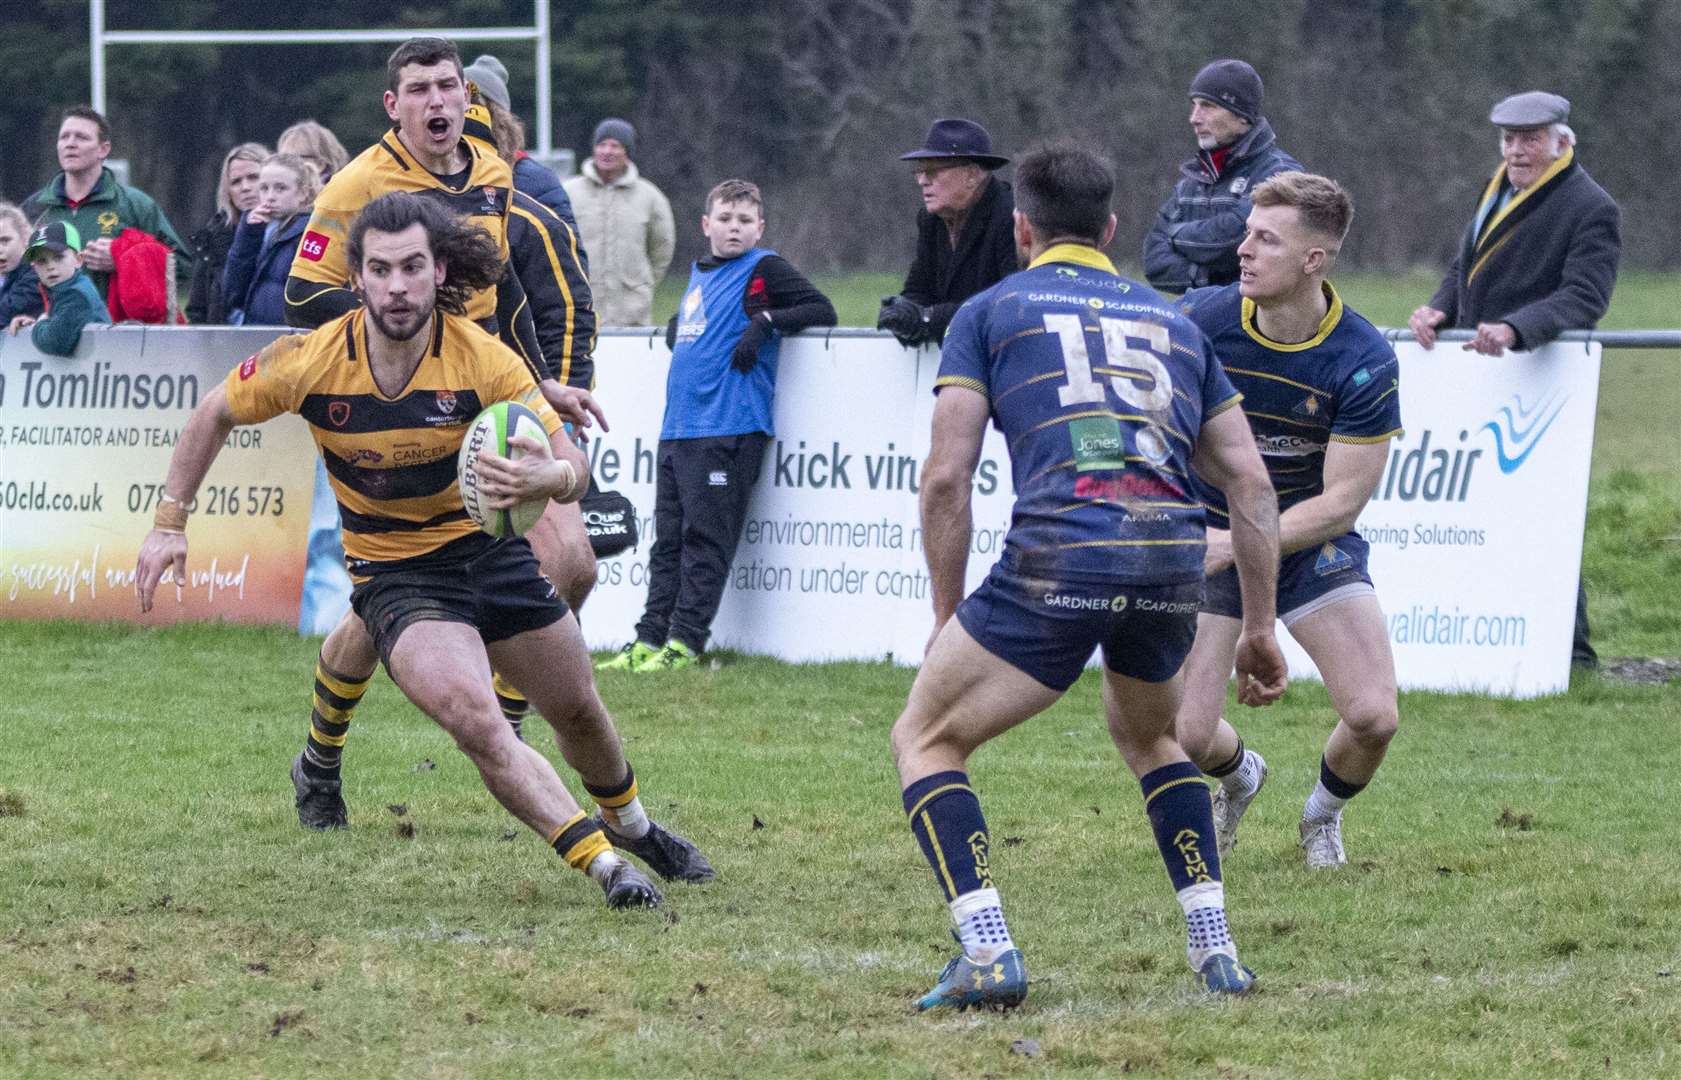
<point>1476,528</point>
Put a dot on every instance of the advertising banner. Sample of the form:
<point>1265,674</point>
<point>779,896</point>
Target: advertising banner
<point>1475,529</point>
<point>85,443</point>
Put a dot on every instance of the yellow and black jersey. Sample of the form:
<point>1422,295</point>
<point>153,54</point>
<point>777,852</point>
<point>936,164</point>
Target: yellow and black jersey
<point>391,459</point>
<point>318,287</point>
<point>544,254</point>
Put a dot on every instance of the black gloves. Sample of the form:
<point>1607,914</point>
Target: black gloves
<point>746,352</point>
<point>906,319</point>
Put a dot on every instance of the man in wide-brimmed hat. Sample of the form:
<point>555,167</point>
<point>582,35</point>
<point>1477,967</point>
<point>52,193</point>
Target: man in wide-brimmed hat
<point>964,238</point>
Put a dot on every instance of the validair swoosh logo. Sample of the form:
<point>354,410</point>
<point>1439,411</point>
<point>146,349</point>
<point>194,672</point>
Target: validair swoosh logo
<point>1521,432</point>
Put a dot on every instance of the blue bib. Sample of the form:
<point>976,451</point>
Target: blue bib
<point>704,395</point>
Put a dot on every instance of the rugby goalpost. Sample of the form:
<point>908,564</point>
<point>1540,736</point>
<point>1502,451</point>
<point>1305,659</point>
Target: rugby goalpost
<point>538,32</point>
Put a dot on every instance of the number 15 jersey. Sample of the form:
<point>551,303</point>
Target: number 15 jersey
<point>1101,389</point>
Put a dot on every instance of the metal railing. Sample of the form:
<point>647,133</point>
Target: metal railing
<point>1610,339</point>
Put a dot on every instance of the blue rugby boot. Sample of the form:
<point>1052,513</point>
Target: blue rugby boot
<point>964,984</point>
<point>1222,974</point>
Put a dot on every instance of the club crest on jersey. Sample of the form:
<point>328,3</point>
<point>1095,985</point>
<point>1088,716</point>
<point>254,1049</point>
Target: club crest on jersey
<point>1308,407</point>
<point>691,318</point>
<point>338,413</point>
<point>1331,559</point>
<point>446,401</point>
<point>1151,446</point>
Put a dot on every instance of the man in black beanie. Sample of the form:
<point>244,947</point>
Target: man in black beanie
<point>1194,240</point>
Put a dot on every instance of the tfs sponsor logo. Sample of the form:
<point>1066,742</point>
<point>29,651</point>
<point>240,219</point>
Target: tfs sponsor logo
<point>313,246</point>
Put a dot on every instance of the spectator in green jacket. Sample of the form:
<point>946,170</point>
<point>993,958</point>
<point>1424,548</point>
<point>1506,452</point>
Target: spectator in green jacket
<point>87,195</point>
<point>55,252</point>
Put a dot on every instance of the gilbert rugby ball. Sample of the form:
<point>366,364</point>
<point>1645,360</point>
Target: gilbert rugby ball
<point>490,431</point>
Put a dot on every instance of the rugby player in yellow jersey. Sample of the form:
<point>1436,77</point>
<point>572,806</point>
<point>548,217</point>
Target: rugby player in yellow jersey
<point>443,600</point>
<point>425,153</point>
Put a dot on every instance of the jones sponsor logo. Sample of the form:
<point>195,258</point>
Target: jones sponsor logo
<point>1097,444</point>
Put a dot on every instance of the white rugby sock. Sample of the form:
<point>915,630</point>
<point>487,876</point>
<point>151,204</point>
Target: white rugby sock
<point>1244,779</point>
<point>1206,933</point>
<point>1322,805</point>
<point>629,821</point>
<point>979,916</point>
<point>602,866</point>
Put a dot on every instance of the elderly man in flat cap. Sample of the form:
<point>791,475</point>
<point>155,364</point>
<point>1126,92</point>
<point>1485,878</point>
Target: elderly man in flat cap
<point>1539,256</point>
<point>965,232</point>
<point>1194,240</point>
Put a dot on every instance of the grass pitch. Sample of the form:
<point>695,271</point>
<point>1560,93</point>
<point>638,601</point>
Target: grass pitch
<point>1509,909</point>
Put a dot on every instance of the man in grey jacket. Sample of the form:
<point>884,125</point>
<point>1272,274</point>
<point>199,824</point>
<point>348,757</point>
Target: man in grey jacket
<point>626,226</point>
<point>1539,256</point>
<point>1194,240</point>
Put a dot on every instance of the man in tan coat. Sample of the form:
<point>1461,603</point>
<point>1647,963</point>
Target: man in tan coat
<point>625,223</point>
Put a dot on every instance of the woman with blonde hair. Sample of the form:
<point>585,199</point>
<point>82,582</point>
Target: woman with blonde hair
<point>316,145</point>
<point>267,238</point>
<point>236,192</point>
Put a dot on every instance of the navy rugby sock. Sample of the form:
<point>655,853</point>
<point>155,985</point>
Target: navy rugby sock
<point>946,818</point>
<point>1182,817</point>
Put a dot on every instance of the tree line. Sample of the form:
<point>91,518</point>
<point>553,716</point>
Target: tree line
<point>814,100</point>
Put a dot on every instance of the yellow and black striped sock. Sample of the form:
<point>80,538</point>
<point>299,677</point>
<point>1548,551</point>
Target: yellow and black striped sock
<point>579,841</point>
<point>336,698</point>
<point>620,807</point>
<point>514,705</point>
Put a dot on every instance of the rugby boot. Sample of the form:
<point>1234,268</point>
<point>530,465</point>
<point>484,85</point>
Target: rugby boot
<point>628,887</point>
<point>673,657</point>
<point>1222,974</point>
<point>320,805</point>
<point>1229,808</point>
<point>670,856</point>
<point>964,984</point>
<point>1322,843</point>
<point>629,658</point>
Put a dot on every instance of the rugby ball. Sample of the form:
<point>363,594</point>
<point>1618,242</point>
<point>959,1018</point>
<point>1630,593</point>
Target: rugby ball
<point>490,431</point>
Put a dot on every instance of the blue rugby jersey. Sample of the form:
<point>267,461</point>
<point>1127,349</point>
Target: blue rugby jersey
<point>1341,385</point>
<point>1101,388</point>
